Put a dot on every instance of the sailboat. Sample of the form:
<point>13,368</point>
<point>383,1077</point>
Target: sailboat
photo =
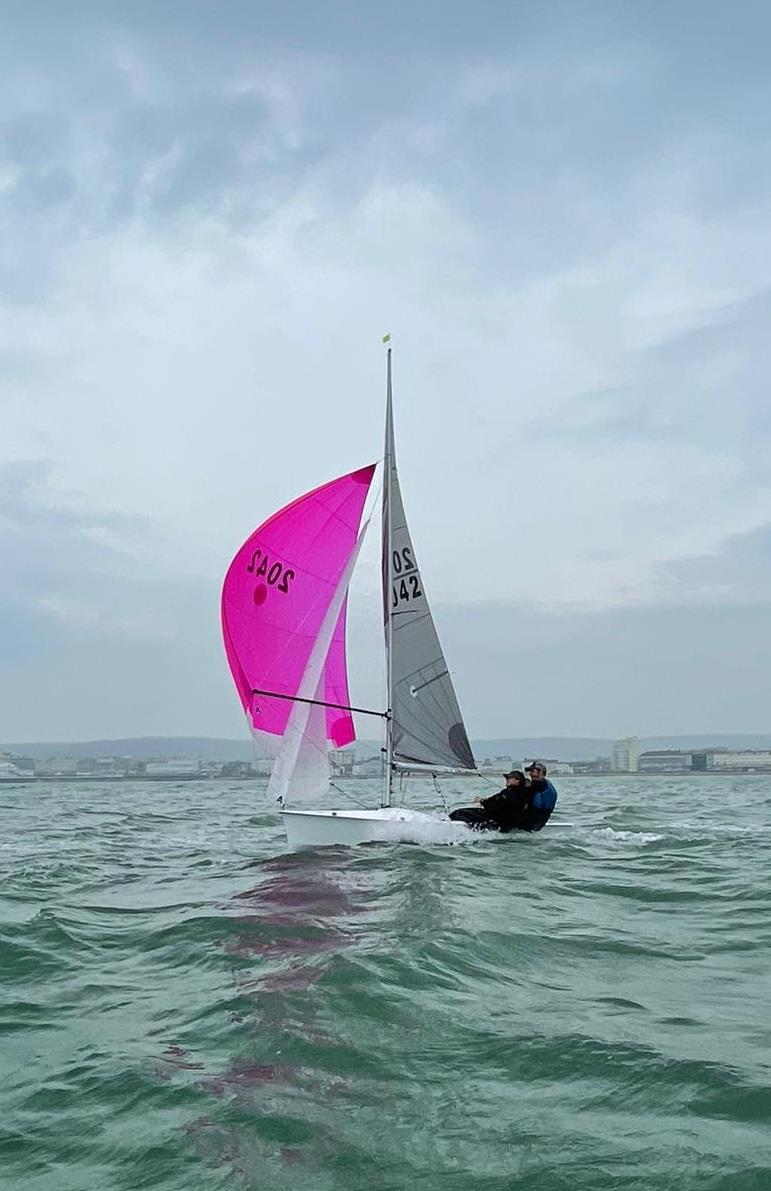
<point>284,607</point>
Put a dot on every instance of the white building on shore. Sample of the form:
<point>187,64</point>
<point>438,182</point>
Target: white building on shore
<point>8,771</point>
<point>626,755</point>
<point>497,766</point>
<point>342,761</point>
<point>733,759</point>
<point>664,761</point>
<point>173,767</point>
<point>554,766</point>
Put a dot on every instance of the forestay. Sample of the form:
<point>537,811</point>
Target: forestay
<point>427,726</point>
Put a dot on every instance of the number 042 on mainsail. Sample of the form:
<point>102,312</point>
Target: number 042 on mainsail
<point>284,603</point>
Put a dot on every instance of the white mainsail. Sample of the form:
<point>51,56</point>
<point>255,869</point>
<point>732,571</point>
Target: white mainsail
<point>426,726</point>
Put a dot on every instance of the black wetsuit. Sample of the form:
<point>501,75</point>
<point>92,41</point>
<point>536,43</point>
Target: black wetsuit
<point>474,816</point>
<point>505,811</point>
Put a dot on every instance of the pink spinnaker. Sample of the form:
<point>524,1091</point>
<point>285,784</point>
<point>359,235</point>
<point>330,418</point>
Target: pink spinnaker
<point>276,592</point>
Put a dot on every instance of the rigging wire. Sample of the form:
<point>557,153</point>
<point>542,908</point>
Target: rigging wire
<point>440,792</point>
<point>491,781</point>
<point>347,794</point>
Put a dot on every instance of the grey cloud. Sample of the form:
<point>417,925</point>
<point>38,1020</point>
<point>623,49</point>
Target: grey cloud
<point>644,671</point>
<point>568,123</point>
<point>35,138</point>
<point>47,188</point>
<point>87,636</point>
<point>701,385</point>
<point>155,662</point>
<point>57,557</point>
<point>555,135</point>
<point>738,575</point>
<point>726,365</point>
<point>21,364</point>
<point>159,669</point>
<point>28,502</point>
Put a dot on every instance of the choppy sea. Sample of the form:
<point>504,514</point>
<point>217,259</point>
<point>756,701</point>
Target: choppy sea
<point>187,1006</point>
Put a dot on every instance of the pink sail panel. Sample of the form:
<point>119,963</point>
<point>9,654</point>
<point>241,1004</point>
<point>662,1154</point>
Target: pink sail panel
<point>276,592</point>
<point>340,729</point>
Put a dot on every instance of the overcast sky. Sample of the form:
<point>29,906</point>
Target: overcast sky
<point>209,215</point>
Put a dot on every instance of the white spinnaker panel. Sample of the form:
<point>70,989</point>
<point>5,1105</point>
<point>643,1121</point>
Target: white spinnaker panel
<point>301,767</point>
<point>308,782</point>
<point>427,726</point>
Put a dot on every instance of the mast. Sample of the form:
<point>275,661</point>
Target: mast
<point>425,725</point>
<point>388,464</point>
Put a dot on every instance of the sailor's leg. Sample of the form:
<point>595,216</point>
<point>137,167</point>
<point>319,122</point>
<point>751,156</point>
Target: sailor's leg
<point>472,815</point>
<point>475,818</point>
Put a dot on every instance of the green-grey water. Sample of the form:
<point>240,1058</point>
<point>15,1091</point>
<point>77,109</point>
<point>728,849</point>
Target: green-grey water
<point>186,1005</point>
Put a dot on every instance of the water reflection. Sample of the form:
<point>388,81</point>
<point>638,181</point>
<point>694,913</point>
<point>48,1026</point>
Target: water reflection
<point>284,932</point>
<point>312,937</point>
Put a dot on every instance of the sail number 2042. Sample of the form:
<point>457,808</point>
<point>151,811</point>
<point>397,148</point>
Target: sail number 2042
<point>276,574</point>
<point>406,582</point>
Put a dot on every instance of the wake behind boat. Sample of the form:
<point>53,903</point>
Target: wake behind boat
<point>284,604</point>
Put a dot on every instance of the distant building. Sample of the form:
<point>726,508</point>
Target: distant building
<point>369,766</point>
<point>626,755</point>
<point>342,761</point>
<point>553,765</point>
<point>57,767</point>
<point>735,760</point>
<point>598,765</point>
<point>172,768</point>
<point>664,761</point>
<point>497,766</point>
<point>238,769</point>
<point>25,765</point>
<point>109,765</point>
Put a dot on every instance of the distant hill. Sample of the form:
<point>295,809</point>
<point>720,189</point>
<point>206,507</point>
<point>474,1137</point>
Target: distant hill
<point>186,747</point>
<point>564,748</point>
<point>728,741</point>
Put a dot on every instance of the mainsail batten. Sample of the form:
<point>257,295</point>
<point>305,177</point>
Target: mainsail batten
<point>426,725</point>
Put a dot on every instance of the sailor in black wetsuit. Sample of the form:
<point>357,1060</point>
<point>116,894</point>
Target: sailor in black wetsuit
<point>543,799</point>
<point>505,811</point>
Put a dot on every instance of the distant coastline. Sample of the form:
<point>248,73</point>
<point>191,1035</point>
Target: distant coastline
<point>195,759</point>
<point>124,778</point>
<point>568,748</point>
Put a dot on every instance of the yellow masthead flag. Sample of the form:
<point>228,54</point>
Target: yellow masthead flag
<point>387,338</point>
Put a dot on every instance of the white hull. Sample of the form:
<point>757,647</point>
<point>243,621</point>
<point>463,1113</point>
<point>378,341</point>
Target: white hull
<point>318,829</point>
<point>393,824</point>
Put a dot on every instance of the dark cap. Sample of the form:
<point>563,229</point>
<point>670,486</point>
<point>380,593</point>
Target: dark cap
<point>514,773</point>
<point>536,765</point>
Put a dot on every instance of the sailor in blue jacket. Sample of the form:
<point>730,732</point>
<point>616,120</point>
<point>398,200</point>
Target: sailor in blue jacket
<point>543,798</point>
<point>518,807</point>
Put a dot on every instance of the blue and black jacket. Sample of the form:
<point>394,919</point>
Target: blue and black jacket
<point>543,799</point>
